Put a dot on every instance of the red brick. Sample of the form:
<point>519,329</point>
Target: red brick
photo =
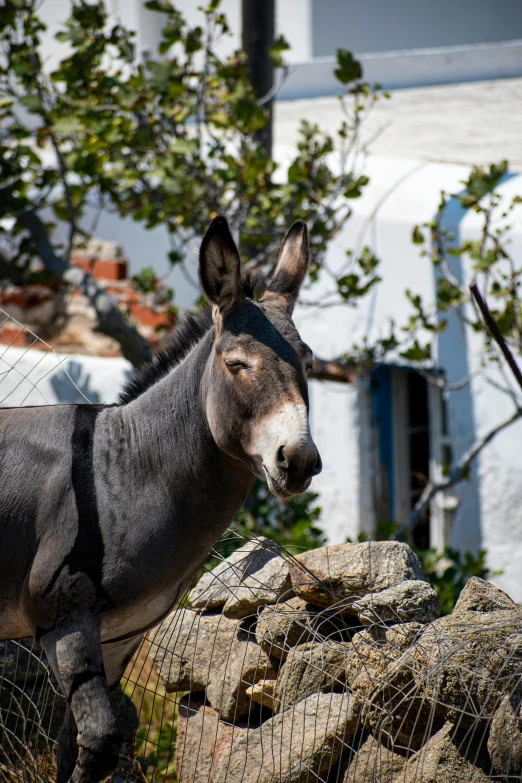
<point>110,270</point>
<point>147,317</point>
<point>101,269</point>
<point>13,335</point>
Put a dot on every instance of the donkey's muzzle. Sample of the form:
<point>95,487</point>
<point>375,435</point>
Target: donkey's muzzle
<point>297,463</point>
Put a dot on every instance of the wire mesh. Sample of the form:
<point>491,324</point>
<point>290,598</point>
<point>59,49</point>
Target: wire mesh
<point>23,372</point>
<point>272,672</point>
<point>246,681</point>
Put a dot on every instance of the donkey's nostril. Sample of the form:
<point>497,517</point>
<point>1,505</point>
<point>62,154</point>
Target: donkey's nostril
<point>281,459</point>
<point>318,465</point>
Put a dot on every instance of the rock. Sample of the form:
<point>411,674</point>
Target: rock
<point>262,693</point>
<point>260,588</point>
<point>373,763</point>
<point>440,761</point>
<point>386,687</point>
<point>458,669</point>
<point>189,646</point>
<point>465,664</point>
<point>217,587</point>
<point>285,625</point>
<point>202,739</point>
<point>311,668</point>
<point>341,573</point>
<point>480,596</point>
<point>411,601</point>
<point>295,746</point>
<point>505,737</point>
<point>244,666</point>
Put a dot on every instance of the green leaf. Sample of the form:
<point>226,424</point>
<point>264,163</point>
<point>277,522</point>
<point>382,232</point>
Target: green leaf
<point>183,146</point>
<point>417,237</point>
<point>67,126</point>
<point>417,352</point>
<point>349,69</point>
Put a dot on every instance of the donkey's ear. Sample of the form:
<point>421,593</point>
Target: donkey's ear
<point>291,267</point>
<point>220,266</point>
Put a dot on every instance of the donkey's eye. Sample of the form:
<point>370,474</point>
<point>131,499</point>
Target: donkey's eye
<point>235,366</point>
<point>309,366</point>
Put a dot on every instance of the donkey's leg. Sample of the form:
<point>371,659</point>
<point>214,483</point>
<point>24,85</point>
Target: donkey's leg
<point>116,656</point>
<point>74,650</point>
<point>67,748</point>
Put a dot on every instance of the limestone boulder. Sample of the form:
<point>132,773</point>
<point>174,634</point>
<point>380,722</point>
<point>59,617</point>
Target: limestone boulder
<point>285,625</point>
<point>262,693</point>
<point>217,587</point>
<point>466,663</point>
<point>311,668</point>
<point>443,760</point>
<point>246,664</point>
<point>374,762</point>
<point>411,601</point>
<point>385,686</point>
<point>481,596</point>
<point>202,740</point>
<point>189,646</point>
<point>260,588</point>
<point>505,737</point>
<point>458,669</point>
<point>340,574</point>
<point>298,745</point>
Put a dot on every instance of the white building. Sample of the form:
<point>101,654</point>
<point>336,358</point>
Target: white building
<point>376,434</point>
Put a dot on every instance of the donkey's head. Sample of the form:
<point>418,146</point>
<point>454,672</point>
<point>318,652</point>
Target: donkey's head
<point>256,386</point>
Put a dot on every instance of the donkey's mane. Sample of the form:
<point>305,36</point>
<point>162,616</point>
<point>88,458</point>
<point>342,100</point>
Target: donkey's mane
<point>191,330</point>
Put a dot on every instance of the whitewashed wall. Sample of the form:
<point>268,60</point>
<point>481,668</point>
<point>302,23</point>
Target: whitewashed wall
<point>42,377</point>
<point>403,194</point>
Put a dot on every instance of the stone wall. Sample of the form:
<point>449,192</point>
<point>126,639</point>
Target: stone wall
<point>335,666</point>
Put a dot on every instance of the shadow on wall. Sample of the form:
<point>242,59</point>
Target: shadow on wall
<point>453,358</point>
<point>66,392</point>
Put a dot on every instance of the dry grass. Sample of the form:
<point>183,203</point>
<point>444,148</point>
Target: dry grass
<point>157,710</point>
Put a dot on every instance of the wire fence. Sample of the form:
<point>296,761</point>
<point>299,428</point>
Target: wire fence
<point>277,668</point>
<point>247,681</point>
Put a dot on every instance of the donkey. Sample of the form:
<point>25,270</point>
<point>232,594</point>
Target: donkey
<point>108,511</point>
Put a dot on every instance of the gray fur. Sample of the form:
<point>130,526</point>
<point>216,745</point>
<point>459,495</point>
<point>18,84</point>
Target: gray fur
<point>108,512</point>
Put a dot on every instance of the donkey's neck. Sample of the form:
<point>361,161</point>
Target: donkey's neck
<point>169,437</point>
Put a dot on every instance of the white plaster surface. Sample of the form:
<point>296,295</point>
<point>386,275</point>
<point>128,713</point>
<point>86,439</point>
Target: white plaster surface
<point>473,124</point>
<point>41,377</point>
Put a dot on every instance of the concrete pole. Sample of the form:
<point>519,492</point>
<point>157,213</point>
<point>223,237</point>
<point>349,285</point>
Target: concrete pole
<point>257,37</point>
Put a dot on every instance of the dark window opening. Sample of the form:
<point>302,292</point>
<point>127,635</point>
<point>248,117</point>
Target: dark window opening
<point>418,452</point>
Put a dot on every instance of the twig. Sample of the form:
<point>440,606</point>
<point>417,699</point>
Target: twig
<point>331,371</point>
<point>495,331</point>
<point>457,474</point>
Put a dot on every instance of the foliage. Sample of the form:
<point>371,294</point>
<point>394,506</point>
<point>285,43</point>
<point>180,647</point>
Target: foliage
<point>497,274</point>
<point>169,141</point>
<point>291,524</point>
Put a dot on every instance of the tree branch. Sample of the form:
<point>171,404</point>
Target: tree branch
<point>457,474</point>
<point>331,371</point>
<point>110,321</point>
<point>495,331</point>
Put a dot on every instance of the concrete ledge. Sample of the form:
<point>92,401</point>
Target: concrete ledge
<point>411,68</point>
